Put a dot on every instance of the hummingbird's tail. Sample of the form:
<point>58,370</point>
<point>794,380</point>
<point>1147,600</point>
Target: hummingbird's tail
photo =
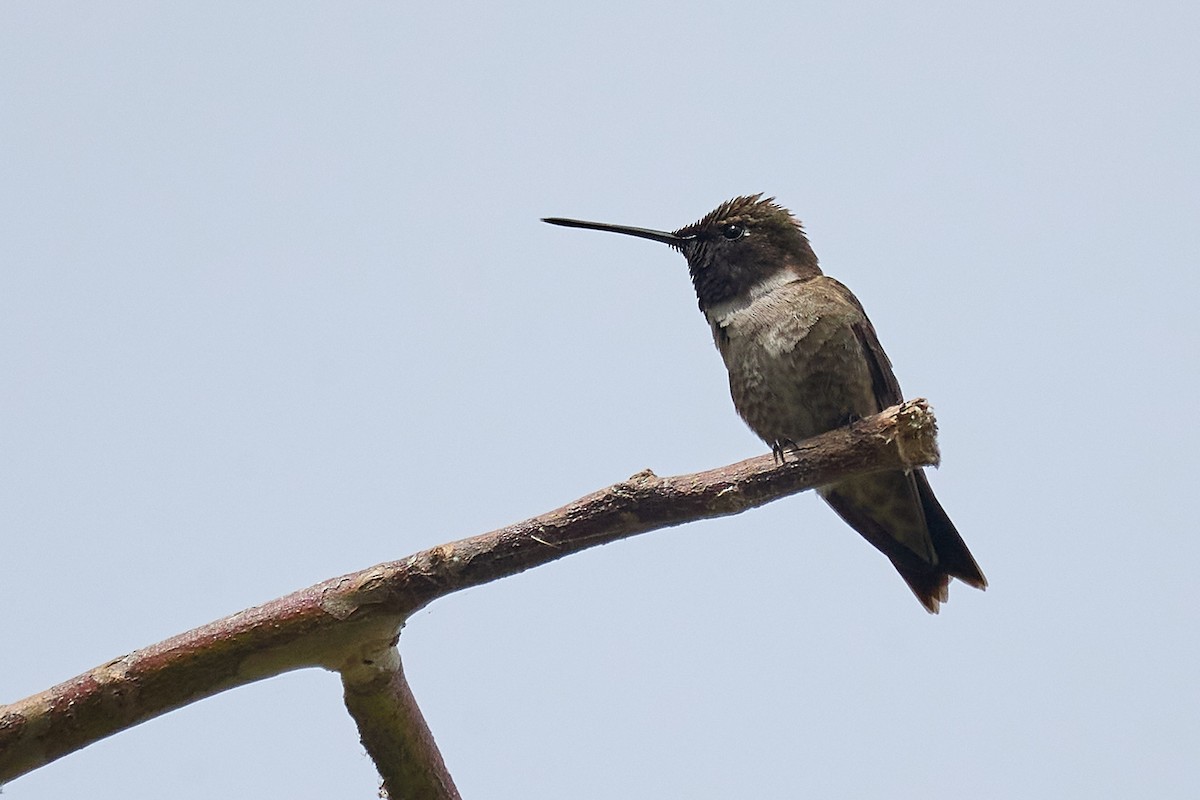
<point>926,550</point>
<point>953,556</point>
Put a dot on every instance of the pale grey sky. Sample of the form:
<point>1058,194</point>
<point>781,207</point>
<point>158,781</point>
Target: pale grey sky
<point>275,304</point>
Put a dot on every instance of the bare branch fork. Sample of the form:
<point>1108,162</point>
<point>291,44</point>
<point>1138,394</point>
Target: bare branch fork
<point>351,624</point>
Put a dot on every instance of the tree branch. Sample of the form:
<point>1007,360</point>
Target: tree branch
<point>394,732</point>
<point>349,622</point>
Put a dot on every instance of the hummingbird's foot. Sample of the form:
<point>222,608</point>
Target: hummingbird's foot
<point>849,419</point>
<point>779,449</point>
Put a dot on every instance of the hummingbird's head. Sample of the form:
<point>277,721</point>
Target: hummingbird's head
<point>735,251</point>
<point>742,245</point>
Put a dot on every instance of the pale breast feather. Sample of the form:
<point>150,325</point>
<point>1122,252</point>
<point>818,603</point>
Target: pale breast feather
<point>779,314</point>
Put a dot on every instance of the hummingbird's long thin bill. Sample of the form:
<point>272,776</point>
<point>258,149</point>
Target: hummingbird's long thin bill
<point>666,237</point>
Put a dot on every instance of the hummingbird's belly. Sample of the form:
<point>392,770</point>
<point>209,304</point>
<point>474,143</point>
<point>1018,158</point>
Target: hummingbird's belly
<point>820,383</point>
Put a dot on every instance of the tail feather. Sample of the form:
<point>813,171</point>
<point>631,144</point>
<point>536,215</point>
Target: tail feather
<point>927,575</point>
<point>953,556</point>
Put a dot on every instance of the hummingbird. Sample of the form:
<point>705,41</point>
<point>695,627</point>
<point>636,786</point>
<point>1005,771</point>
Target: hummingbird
<point>804,359</point>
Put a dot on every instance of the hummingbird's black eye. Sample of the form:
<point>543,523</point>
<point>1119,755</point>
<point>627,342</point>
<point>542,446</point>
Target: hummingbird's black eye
<point>733,232</point>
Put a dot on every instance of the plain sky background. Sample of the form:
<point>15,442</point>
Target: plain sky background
<point>275,305</point>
